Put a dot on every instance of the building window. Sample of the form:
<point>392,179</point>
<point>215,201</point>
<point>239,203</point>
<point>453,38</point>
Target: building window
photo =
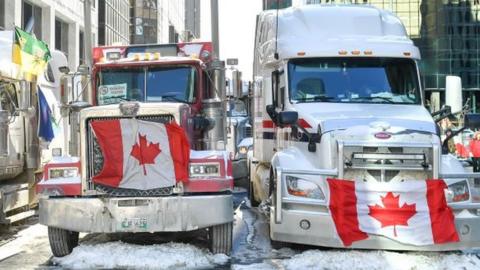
<point>81,48</point>
<point>61,36</point>
<point>32,14</point>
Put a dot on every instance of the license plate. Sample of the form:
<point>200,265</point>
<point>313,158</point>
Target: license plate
<point>134,224</point>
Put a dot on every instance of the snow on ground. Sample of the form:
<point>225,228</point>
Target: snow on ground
<point>315,259</point>
<point>371,260</point>
<point>123,255</point>
<point>22,241</point>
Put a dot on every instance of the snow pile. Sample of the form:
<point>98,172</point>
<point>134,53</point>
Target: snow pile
<point>315,259</point>
<point>123,255</point>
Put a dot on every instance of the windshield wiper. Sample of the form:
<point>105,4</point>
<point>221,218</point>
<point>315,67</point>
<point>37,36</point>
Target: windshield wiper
<point>387,99</point>
<point>315,98</point>
<point>122,98</point>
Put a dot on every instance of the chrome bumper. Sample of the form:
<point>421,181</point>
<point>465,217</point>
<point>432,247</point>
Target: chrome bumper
<point>142,214</point>
<point>322,232</point>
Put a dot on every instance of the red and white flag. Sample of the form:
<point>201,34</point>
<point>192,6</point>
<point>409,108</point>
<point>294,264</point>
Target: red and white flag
<point>141,154</point>
<point>410,212</point>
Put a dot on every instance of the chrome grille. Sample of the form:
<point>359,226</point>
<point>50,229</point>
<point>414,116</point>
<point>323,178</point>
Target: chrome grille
<point>95,160</point>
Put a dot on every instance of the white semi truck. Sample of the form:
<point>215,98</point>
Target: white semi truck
<point>337,95</point>
<point>21,154</point>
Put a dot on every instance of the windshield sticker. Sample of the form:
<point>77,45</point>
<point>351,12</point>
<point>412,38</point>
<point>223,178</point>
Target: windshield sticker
<point>113,93</point>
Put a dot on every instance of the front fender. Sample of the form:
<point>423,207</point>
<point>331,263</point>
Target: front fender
<point>292,158</point>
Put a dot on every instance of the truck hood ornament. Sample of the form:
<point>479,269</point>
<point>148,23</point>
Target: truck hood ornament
<point>129,108</point>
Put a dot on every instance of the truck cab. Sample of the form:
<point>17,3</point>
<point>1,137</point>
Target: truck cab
<point>160,86</point>
<point>342,102</point>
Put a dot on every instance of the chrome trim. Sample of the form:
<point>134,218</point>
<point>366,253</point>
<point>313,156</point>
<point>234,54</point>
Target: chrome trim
<point>340,166</point>
<point>389,167</point>
<point>459,175</point>
<point>304,201</point>
<point>436,161</point>
<point>333,172</point>
<point>278,196</point>
<point>377,156</point>
<point>387,144</point>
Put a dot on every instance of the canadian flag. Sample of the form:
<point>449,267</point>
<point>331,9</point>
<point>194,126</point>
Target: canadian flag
<point>410,212</point>
<point>141,154</point>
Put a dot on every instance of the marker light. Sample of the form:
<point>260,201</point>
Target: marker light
<point>342,52</point>
<point>407,53</point>
<point>368,52</point>
<point>356,52</point>
<point>156,56</point>
<point>301,53</point>
<point>136,57</point>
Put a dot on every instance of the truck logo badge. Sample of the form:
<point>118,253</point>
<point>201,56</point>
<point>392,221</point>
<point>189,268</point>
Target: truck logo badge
<point>383,135</point>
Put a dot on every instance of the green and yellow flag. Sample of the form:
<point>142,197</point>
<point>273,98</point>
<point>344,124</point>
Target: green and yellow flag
<point>30,53</point>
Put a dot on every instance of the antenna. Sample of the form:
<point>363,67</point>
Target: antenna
<point>275,55</point>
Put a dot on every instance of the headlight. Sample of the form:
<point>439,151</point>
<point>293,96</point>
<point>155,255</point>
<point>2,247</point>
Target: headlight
<point>303,188</point>
<point>62,172</point>
<point>243,150</point>
<point>204,169</point>
<point>458,192</point>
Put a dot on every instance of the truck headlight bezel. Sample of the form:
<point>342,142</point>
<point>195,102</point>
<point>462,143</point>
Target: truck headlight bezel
<point>304,188</point>
<point>206,169</point>
<point>62,172</point>
<point>458,192</point>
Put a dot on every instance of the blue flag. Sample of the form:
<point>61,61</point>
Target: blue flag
<point>45,129</point>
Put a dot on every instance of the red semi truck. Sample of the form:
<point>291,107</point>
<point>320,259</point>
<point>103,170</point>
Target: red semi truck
<point>146,148</point>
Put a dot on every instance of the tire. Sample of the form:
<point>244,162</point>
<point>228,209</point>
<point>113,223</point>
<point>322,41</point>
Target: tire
<point>251,196</point>
<point>221,238</point>
<point>62,241</point>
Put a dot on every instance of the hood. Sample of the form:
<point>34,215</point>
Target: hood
<point>388,117</point>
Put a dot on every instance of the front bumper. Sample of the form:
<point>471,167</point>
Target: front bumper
<point>140,214</point>
<point>322,231</point>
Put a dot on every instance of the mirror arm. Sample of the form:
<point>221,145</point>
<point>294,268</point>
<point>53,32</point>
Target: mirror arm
<point>313,138</point>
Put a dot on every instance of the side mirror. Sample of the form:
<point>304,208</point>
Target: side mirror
<point>472,120</point>
<point>287,118</point>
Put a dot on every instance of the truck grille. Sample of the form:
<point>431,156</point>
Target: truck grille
<point>95,161</point>
<point>386,163</point>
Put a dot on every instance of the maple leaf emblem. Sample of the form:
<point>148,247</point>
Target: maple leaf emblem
<point>145,152</point>
<point>391,214</point>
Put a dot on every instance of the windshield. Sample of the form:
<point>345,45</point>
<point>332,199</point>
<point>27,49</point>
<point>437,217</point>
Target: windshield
<point>146,84</point>
<point>353,80</point>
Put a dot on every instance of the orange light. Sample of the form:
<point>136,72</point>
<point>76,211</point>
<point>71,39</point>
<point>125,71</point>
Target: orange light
<point>407,53</point>
<point>136,57</point>
<point>156,56</point>
<point>342,52</point>
<point>368,52</point>
<point>194,56</point>
<point>297,193</point>
<point>146,56</point>
<point>301,53</point>
<point>355,52</point>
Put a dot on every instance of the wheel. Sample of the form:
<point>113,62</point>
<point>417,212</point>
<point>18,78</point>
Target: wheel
<point>221,238</point>
<point>62,241</point>
<point>251,195</point>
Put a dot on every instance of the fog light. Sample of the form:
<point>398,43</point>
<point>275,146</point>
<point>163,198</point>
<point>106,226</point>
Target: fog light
<point>465,230</point>
<point>305,224</point>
